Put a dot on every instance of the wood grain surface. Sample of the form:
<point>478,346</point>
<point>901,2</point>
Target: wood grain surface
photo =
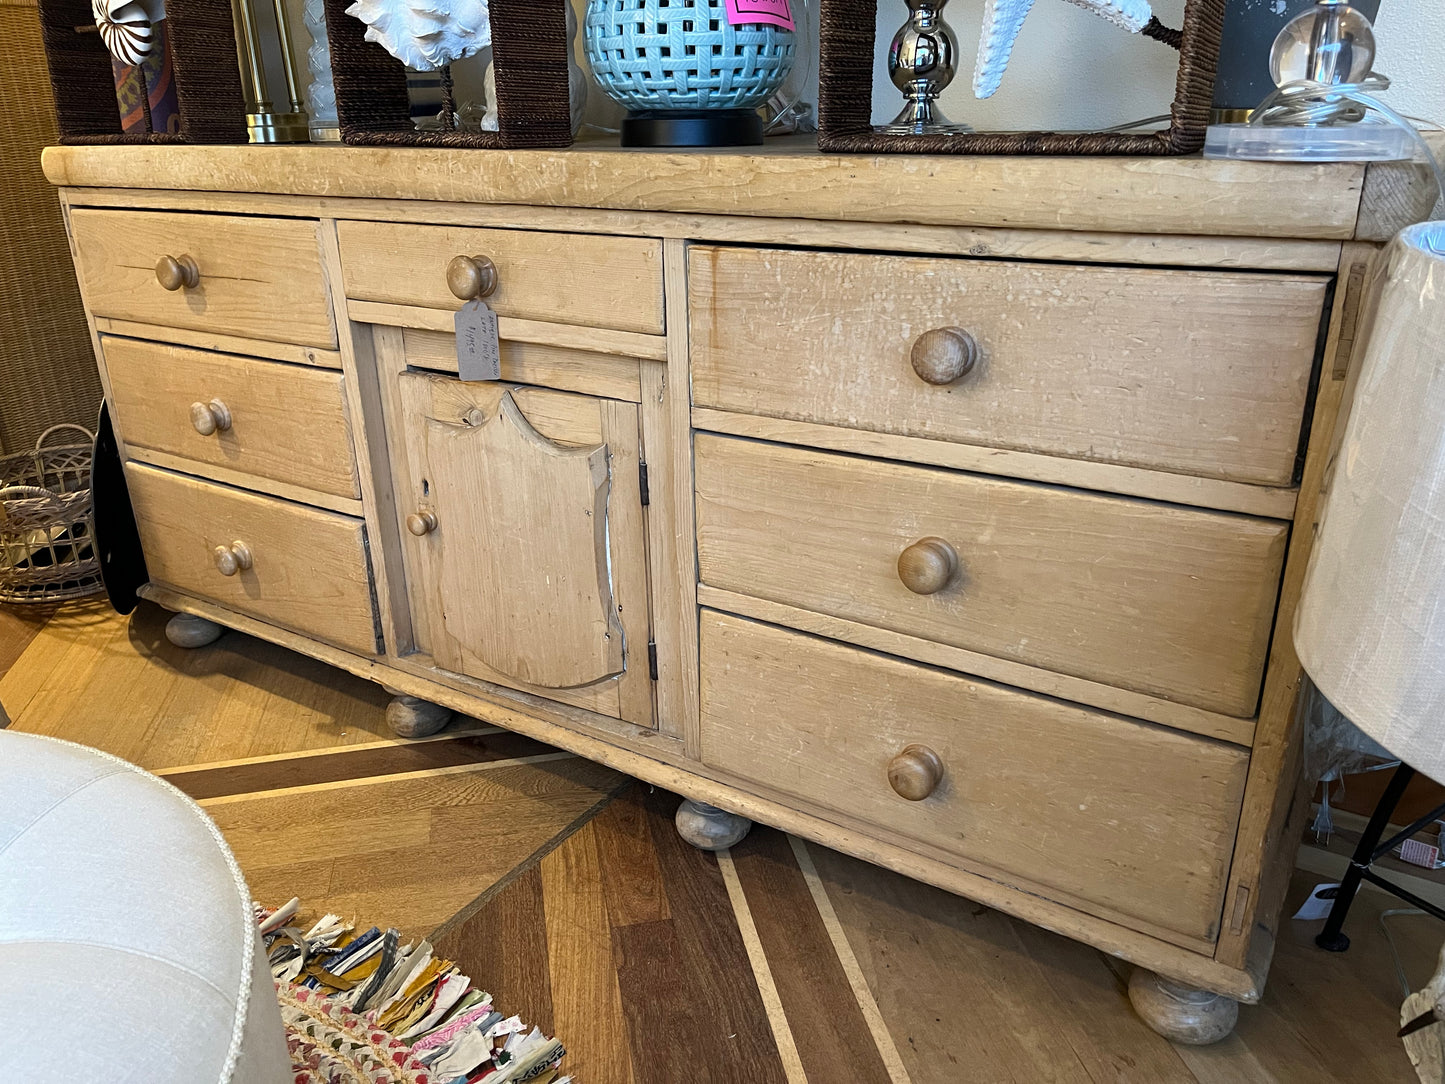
<point>1202,373</point>
<point>288,423</point>
<point>309,569</point>
<point>788,178</point>
<point>260,278</point>
<point>1173,602</point>
<point>588,279</point>
<point>822,721</point>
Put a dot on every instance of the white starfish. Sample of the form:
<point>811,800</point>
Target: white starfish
<point>1003,19</point>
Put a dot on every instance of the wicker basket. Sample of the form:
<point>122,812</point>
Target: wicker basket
<point>47,549</point>
<point>205,67</point>
<point>684,54</point>
<point>845,94</point>
<point>529,51</point>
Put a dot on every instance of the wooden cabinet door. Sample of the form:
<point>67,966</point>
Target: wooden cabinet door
<point>524,519</point>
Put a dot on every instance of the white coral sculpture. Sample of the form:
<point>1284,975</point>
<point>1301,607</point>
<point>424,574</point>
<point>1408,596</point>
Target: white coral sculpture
<point>426,34</point>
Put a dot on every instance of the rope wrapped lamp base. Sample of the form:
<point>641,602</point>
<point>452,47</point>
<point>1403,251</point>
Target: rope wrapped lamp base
<point>529,52</point>
<point>845,94</point>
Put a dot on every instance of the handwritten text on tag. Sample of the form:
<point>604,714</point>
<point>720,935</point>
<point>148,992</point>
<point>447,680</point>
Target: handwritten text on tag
<point>479,351</point>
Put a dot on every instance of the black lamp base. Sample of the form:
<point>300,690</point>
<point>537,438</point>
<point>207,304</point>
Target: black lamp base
<point>693,128</point>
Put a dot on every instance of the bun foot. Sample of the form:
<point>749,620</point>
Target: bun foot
<point>709,828</point>
<point>188,630</point>
<point>1182,1014</point>
<point>413,717</point>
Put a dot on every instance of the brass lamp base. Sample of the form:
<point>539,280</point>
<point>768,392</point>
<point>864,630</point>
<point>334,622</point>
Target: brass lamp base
<point>1229,116</point>
<point>278,127</point>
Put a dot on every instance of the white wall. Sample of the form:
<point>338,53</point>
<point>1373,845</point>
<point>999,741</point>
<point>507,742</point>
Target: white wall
<point>1072,70</point>
<point>1410,49</point>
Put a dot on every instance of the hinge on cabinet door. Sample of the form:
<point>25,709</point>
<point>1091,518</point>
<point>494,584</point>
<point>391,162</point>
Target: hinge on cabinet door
<point>652,659</point>
<point>642,484</point>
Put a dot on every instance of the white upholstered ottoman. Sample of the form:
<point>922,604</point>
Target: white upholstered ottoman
<point>128,951</point>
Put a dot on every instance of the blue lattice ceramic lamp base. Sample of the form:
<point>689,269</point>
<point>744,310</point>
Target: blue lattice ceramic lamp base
<point>686,75</point>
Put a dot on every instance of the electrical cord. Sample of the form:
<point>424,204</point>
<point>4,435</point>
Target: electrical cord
<point>1307,104</point>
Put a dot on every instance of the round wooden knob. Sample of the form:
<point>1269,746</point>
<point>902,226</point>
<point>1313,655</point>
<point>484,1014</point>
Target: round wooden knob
<point>915,773</point>
<point>943,355</point>
<point>470,277</point>
<point>423,522</point>
<point>233,558</point>
<point>928,566</point>
<point>206,418</point>
<point>177,273</point>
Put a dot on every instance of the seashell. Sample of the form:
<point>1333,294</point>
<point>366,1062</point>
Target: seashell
<point>126,28</point>
<point>1003,19</point>
<point>426,34</point>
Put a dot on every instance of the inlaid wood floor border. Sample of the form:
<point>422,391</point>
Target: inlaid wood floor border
<point>897,1073</point>
<point>530,863</point>
<point>340,765</point>
<point>762,973</point>
<point>373,780</point>
<point>449,734</point>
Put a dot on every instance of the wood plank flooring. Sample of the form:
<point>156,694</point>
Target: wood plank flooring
<point>116,683</point>
<point>564,889</point>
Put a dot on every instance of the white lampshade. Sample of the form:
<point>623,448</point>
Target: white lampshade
<point>1370,629</point>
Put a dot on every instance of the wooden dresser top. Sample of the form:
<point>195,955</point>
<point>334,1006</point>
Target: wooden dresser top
<point>789,179</point>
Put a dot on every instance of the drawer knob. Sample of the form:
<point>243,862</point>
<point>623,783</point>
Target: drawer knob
<point>928,566</point>
<point>470,277</point>
<point>915,773</point>
<point>233,558</point>
<point>943,355</point>
<point>177,273</point>
<point>206,418</point>
<point>422,523</point>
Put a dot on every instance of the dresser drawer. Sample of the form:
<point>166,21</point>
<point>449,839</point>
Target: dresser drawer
<point>284,423</point>
<point>1103,813</point>
<point>255,277</point>
<point>1196,372</point>
<point>308,568</point>
<point>1169,601</point>
<point>564,278</point>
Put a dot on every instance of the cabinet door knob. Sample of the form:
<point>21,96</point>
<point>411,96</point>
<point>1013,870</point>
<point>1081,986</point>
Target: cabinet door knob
<point>206,418</point>
<point>915,773</point>
<point>928,566</point>
<point>470,277</point>
<point>177,273</point>
<point>943,355</point>
<point>422,523</point>
<point>233,558</point>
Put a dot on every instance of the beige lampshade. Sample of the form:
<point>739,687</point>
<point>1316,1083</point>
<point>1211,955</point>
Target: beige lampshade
<point>1370,629</point>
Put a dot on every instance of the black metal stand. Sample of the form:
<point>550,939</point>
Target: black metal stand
<point>1369,851</point>
<point>692,128</point>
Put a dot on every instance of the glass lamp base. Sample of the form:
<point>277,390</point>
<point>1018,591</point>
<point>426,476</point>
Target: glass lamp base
<point>922,118</point>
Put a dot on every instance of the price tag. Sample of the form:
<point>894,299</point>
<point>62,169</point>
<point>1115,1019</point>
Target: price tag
<point>479,350</point>
<point>773,12</point>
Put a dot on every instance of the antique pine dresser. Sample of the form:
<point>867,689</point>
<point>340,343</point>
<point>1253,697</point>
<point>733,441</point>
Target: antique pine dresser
<point>948,511</point>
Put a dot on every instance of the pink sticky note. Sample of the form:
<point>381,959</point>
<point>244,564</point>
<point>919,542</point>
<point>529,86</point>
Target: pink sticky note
<point>774,12</point>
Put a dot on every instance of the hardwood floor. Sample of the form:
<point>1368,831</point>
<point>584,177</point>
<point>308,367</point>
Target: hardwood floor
<point>116,683</point>
<point>565,890</point>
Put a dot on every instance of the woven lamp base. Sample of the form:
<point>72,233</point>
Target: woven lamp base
<point>692,128</point>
